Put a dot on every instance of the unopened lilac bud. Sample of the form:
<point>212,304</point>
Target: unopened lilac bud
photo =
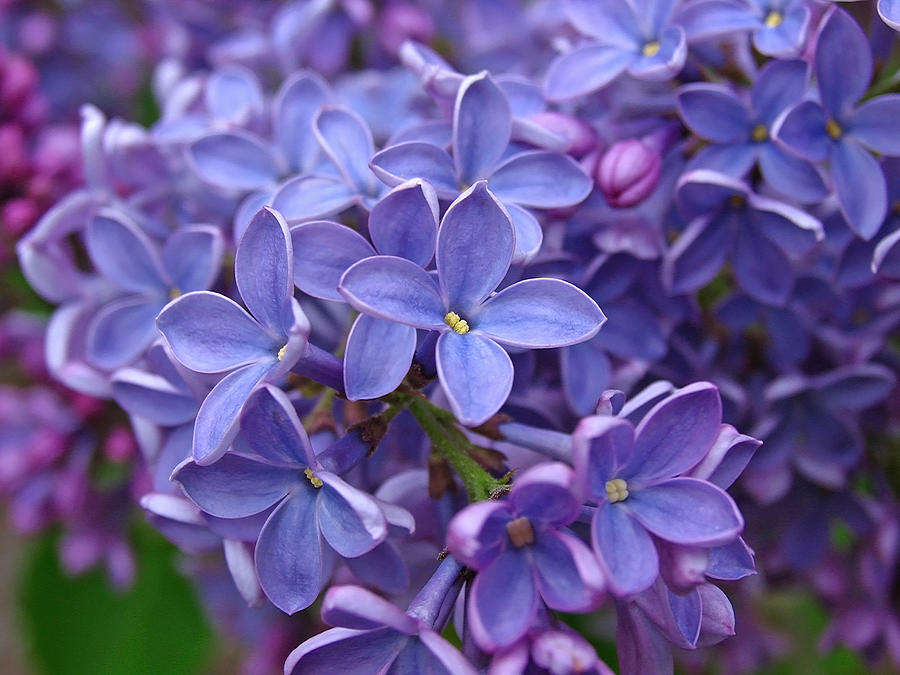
<point>628,173</point>
<point>402,21</point>
<point>17,216</point>
<point>18,79</point>
<point>580,136</point>
<point>79,551</point>
<point>119,445</point>
<point>14,159</point>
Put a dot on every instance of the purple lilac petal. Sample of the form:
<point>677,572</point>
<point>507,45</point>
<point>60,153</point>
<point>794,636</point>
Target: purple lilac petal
<point>477,534</point>
<point>404,222</point>
<point>714,112</point>
<point>585,69</point>
<point>122,331</point>
<point>272,429</point>
<point>306,197</point>
<point>234,161</point>
<point>730,562</point>
<point>874,124</point>
<point>529,234</point>
<point>474,248</point>
<point>843,62</point>
<point>323,251</point>
<point>350,519</point>
<point>698,254</point>
<point>856,387</point>
<point>566,572</point>
<point>347,141</point>
<point>192,257</point>
<point>539,313</point>
<point>640,645</point>
<point>727,458</point>
<point>676,434</point>
<point>210,333</point>
<point>791,228</point>
<point>886,259</point>
<point>292,576</point>
<point>614,23</point>
<point>761,268</point>
<point>702,20</point>
<point>779,85</point>
<point>297,103</point>
<point>482,123</point>
<point>600,446</point>
<point>503,601</point>
<point>263,268</point>
<point>802,130</point>
<point>123,253</point>
<point>889,11</point>
<point>624,549</point>
<point>860,186</point>
<point>542,180</point>
<point>383,568</point>
<point>634,331</point>
<point>395,289</point>
<point>235,486</point>
<point>476,374</point>
<point>666,62</point>
<point>543,495</point>
<point>443,655</point>
<point>217,419</point>
<point>358,608</point>
<point>377,357</point>
<point>413,159</point>
<point>790,175</point>
<point>154,397</point>
<point>352,652</point>
<point>586,372</point>
<point>687,511</point>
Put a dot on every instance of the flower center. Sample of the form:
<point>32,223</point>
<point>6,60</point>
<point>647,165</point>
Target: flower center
<point>313,478</point>
<point>651,48</point>
<point>174,292</point>
<point>281,352</point>
<point>737,201</point>
<point>459,325</point>
<point>520,532</point>
<point>616,490</point>
<point>833,129</point>
<point>774,19</point>
<point>759,133</point>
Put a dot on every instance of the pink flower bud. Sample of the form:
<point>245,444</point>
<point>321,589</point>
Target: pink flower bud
<point>579,135</point>
<point>402,21</point>
<point>17,216</point>
<point>628,173</point>
<point>119,445</point>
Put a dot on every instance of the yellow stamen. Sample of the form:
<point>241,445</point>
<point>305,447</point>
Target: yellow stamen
<point>616,490</point>
<point>313,478</point>
<point>461,326</point>
<point>759,133</point>
<point>281,352</point>
<point>651,48</point>
<point>774,19</point>
<point>737,201</point>
<point>520,532</point>
<point>833,129</point>
<point>174,293</point>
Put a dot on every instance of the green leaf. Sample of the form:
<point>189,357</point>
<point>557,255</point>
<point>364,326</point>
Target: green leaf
<point>80,625</point>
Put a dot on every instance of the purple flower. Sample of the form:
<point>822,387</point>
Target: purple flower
<point>210,333</point>
<point>523,557</point>
<point>839,132</point>
<point>635,36</point>
<point>550,651</point>
<point>634,476</point>
<point>376,637</point>
<point>474,247</point>
<point>312,505</point>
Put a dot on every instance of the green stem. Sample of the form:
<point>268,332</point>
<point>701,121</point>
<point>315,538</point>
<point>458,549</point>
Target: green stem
<point>479,483</point>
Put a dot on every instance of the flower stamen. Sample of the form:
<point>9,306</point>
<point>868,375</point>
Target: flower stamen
<point>774,19</point>
<point>759,133</point>
<point>459,325</point>
<point>281,352</point>
<point>520,532</point>
<point>313,478</point>
<point>833,129</point>
<point>651,48</point>
<point>616,490</point>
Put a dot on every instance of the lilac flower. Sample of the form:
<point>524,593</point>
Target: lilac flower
<point>314,506</point>
<point>634,476</point>
<point>758,232</point>
<point>634,36</point>
<point>189,261</point>
<point>210,333</point>
<point>474,247</point>
<point>550,651</point>
<point>838,131</point>
<point>375,637</point>
<point>482,124</point>
<point>740,131</point>
<point>779,27</point>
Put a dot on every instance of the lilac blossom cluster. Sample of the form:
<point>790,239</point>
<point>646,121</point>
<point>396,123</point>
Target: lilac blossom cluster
<point>444,318</point>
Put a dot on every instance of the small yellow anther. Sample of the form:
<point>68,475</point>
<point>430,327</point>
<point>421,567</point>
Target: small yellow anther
<point>281,352</point>
<point>774,19</point>
<point>520,532</point>
<point>174,292</point>
<point>759,133</point>
<point>461,326</point>
<point>616,490</point>
<point>737,201</point>
<point>313,478</point>
<point>833,129</point>
<point>651,48</point>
